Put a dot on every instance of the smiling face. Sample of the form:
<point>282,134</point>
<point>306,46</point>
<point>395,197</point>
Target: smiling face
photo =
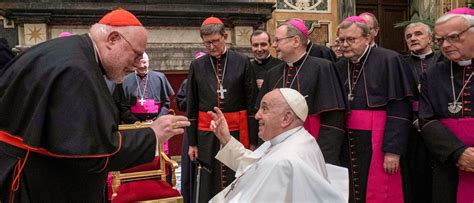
<point>271,115</point>
<point>418,39</point>
<point>260,46</point>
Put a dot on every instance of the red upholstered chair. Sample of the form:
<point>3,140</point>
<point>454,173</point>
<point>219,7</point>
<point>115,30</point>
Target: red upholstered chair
<point>144,183</point>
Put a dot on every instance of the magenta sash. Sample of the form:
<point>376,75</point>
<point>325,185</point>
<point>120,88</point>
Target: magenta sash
<point>148,106</point>
<point>463,129</point>
<point>312,125</point>
<point>381,187</point>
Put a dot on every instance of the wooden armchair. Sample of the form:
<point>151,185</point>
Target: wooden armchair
<point>147,182</point>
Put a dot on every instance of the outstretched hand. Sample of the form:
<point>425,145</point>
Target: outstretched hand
<point>168,126</point>
<point>219,126</point>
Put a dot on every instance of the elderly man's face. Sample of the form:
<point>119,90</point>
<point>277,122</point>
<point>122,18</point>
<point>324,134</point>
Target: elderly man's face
<point>270,114</point>
<point>125,52</point>
<point>215,44</point>
<point>260,46</point>
<point>418,40</point>
<point>455,38</point>
<point>284,44</point>
<point>353,44</point>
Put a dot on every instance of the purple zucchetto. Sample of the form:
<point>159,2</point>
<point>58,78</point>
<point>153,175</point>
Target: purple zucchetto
<point>299,24</point>
<point>356,19</point>
<point>462,11</point>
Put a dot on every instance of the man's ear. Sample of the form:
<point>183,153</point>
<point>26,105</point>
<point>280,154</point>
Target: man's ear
<point>112,39</point>
<point>288,118</point>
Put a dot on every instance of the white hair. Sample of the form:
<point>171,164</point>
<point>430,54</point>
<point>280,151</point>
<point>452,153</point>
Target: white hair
<point>467,18</point>
<point>425,26</point>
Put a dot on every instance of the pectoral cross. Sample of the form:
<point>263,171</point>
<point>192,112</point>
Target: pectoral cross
<point>221,91</point>
<point>142,101</point>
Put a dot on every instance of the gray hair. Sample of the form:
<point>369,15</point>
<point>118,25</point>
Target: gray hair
<point>293,31</point>
<point>425,26</point>
<point>346,24</point>
<point>212,29</point>
<point>467,18</point>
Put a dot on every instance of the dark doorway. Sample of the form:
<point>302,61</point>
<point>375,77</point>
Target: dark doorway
<point>388,13</point>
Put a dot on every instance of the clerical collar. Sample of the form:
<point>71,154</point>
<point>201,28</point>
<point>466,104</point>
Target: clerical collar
<point>264,61</point>
<point>281,137</point>
<point>363,55</point>
<point>223,55</point>
<point>421,56</point>
<point>465,62</point>
<point>298,62</point>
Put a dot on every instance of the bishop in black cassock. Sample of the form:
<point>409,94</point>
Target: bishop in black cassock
<point>446,112</point>
<point>418,173</point>
<point>315,78</point>
<point>222,78</point>
<point>379,85</point>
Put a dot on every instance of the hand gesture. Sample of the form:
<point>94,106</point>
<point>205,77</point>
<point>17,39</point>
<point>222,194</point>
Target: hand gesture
<point>168,126</point>
<point>219,126</point>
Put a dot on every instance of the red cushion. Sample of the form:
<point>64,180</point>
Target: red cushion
<point>144,190</point>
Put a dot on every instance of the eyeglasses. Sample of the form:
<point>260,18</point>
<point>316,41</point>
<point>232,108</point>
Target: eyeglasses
<point>213,42</point>
<point>278,40</point>
<point>138,54</point>
<point>451,38</point>
<point>349,40</point>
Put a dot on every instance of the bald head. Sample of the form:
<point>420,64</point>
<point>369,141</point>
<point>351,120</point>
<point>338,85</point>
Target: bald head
<point>120,48</point>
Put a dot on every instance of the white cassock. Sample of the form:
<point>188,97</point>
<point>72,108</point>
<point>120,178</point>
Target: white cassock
<point>288,168</point>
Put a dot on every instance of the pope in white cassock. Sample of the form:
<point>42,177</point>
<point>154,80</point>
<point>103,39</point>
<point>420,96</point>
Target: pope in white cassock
<point>288,167</point>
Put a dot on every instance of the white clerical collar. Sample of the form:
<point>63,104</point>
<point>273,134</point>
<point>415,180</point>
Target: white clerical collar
<point>263,59</point>
<point>465,62</point>
<point>422,56</point>
<point>291,64</point>
<point>365,51</point>
<point>281,137</point>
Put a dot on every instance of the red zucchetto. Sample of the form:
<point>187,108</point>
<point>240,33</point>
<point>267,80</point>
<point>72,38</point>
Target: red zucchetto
<point>212,20</point>
<point>120,17</point>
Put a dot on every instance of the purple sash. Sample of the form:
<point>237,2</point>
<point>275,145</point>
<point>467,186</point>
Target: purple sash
<point>312,125</point>
<point>463,129</point>
<point>381,187</point>
<point>148,106</point>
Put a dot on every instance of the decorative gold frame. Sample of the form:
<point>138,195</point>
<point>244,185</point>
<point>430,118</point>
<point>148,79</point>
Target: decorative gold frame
<point>118,178</point>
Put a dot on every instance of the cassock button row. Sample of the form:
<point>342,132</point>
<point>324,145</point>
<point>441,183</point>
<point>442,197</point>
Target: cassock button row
<point>352,145</point>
